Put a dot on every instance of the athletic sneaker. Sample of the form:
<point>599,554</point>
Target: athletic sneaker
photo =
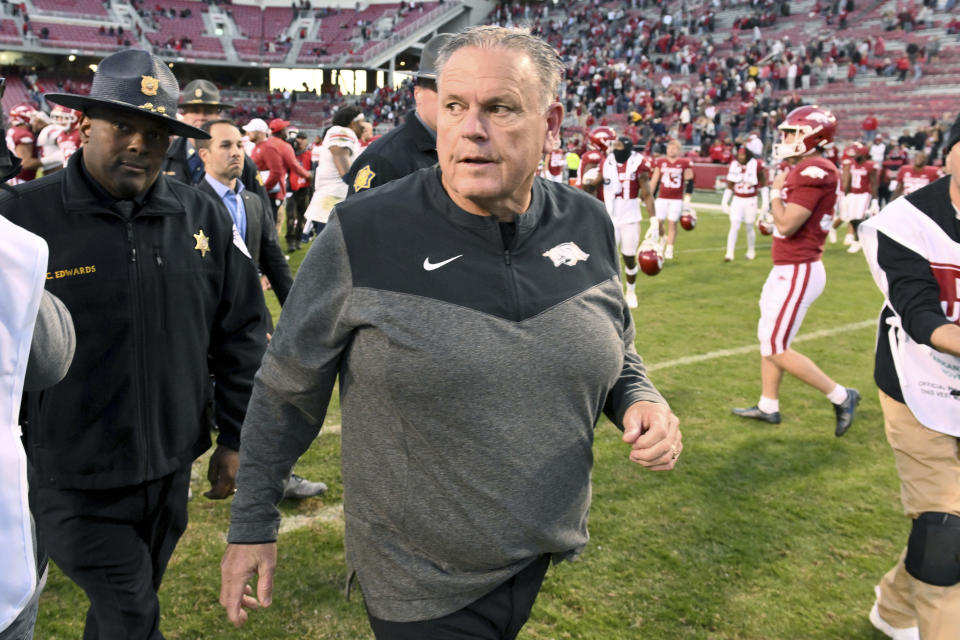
<point>631,297</point>
<point>297,488</point>
<point>845,410</point>
<point>884,627</point>
<point>668,253</point>
<point>854,247</point>
<point>755,413</point>
<point>751,254</point>
<point>848,240</point>
<point>728,257</point>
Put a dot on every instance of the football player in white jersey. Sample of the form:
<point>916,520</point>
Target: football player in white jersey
<point>626,181</point>
<point>746,175</point>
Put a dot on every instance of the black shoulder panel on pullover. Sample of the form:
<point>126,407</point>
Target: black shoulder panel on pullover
<point>934,201</point>
<point>409,237</point>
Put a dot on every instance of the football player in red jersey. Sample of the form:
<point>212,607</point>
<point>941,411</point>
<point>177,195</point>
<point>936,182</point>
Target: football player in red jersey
<point>859,183</point>
<point>22,140</point>
<point>69,139</point>
<point>802,202</point>
<point>746,176</point>
<point>555,165</point>
<point>626,182</point>
<point>669,174</point>
<point>917,175</point>
<point>589,177</point>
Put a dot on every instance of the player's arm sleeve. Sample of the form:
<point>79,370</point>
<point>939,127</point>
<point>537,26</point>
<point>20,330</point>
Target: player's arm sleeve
<point>914,292</point>
<point>237,340</point>
<point>293,386</point>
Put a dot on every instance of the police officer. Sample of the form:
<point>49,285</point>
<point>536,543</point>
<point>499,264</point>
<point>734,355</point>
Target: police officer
<point>411,145</point>
<point>200,103</point>
<point>162,294</point>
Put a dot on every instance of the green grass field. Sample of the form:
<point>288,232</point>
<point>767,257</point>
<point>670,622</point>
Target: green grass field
<point>761,532</point>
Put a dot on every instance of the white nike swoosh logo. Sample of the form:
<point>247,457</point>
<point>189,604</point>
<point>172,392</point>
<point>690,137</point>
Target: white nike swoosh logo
<point>430,266</point>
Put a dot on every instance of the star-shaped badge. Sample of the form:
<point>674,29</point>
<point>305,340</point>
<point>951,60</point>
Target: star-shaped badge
<point>203,243</point>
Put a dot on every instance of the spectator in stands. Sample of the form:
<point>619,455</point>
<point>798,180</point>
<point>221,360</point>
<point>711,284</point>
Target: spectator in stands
<point>412,145</point>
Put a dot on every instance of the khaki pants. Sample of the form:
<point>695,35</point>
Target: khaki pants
<point>929,468</point>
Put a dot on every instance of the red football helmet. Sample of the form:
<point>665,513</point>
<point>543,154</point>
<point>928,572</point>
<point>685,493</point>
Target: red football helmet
<point>650,261</point>
<point>601,138</point>
<point>813,128</point>
<point>65,116</point>
<point>765,227</point>
<point>688,220</point>
<point>21,115</point>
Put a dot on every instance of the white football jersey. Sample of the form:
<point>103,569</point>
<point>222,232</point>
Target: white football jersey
<point>327,175</point>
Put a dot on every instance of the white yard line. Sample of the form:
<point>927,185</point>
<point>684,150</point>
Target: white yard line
<point>753,348</point>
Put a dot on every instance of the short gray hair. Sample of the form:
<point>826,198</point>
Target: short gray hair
<point>545,59</point>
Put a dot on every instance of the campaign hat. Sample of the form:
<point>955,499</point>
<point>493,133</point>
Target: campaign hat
<point>133,81</point>
<point>202,92</point>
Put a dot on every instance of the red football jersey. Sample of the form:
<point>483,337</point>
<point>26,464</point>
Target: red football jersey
<point>590,159</point>
<point>811,183</point>
<point>671,177</point>
<point>69,142</point>
<point>557,162</point>
<point>739,176</point>
<point>22,135</point>
<point>860,173</point>
<point>912,179</point>
<point>629,173</point>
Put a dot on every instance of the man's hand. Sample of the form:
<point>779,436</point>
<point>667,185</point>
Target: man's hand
<point>654,433</point>
<point>240,563</point>
<point>222,473</point>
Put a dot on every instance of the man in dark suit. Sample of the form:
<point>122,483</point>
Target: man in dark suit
<point>200,103</point>
<point>254,232</point>
<point>222,158</point>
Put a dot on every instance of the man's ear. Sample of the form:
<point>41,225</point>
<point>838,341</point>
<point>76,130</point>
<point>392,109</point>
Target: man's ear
<point>84,128</point>
<point>554,119</point>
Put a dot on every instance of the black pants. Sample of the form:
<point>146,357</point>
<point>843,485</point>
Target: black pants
<point>115,544</point>
<point>499,615</point>
<point>296,208</point>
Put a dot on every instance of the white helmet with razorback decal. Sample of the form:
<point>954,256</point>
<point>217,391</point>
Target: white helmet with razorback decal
<point>65,116</point>
<point>812,128</point>
<point>21,115</point>
<point>602,138</point>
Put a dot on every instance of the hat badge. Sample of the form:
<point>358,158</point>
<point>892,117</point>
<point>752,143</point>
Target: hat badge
<point>198,92</point>
<point>149,85</point>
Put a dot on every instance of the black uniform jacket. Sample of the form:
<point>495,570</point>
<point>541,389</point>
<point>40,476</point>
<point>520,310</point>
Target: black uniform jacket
<point>261,241</point>
<point>152,296</point>
<point>405,149</point>
<point>175,166</point>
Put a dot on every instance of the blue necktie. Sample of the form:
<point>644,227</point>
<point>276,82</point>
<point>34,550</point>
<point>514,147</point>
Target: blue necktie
<point>230,199</point>
<point>195,165</point>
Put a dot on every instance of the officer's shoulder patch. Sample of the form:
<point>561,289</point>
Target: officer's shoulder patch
<point>363,178</point>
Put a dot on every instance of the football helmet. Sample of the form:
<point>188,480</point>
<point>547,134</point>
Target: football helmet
<point>765,224</point>
<point>602,138</point>
<point>650,261</point>
<point>65,116</point>
<point>688,220</point>
<point>21,115</point>
<point>813,128</point>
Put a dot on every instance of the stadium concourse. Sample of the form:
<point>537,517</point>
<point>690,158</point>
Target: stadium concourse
<point>713,75</point>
